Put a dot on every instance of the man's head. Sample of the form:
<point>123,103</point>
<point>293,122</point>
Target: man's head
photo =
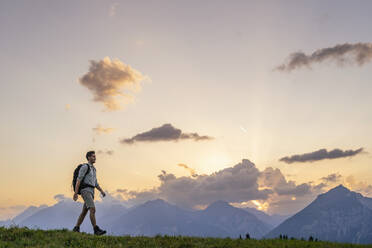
<point>91,157</point>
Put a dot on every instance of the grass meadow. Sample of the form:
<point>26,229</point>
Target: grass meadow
<point>24,237</point>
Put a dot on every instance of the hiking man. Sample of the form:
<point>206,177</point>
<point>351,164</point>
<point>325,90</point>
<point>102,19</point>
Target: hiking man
<point>87,192</point>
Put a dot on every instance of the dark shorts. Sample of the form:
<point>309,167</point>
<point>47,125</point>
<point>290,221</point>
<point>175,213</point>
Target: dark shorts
<point>88,199</point>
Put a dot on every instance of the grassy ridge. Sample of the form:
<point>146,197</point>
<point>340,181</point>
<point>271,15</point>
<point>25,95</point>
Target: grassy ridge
<point>24,237</point>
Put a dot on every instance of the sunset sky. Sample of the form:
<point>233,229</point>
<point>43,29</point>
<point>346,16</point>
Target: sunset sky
<point>189,101</point>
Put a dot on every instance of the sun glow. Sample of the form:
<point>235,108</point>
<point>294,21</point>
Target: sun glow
<point>261,206</point>
<point>215,162</point>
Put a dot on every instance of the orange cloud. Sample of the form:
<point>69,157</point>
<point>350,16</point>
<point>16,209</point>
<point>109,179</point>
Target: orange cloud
<point>102,130</point>
<point>111,82</point>
<point>192,171</point>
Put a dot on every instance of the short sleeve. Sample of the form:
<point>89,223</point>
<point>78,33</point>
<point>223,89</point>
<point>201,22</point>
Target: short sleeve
<point>82,171</point>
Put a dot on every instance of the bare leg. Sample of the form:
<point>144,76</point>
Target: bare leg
<point>82,216</point>
<point>93,216</point>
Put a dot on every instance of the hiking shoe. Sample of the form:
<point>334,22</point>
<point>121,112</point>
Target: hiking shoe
<point>76,229</point>
<point>98,231</point>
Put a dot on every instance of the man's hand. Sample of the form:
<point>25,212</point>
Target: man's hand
<point>75,197</point>
<point>101,190</point>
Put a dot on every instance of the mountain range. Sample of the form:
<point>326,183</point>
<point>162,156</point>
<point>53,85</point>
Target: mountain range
<point>219,219</point>
<point>338,215</point>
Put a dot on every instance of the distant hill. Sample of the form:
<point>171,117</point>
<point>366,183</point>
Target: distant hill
<point>64,214</point>
<point>218,220</point>
<point>151,218</point>
<point>337,215</point>
<point>31,210</point>
<point>61,215</point>
<point>27,213</point>
<point>234,221</point>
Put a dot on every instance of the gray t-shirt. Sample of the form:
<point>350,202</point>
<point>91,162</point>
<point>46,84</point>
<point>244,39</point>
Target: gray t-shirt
<point>90,178</point>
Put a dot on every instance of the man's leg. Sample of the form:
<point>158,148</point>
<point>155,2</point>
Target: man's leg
<point>89,204</point>
<point>82,215</point>
<point>92,211</point>
<point>96,229</point>
<point>89,201</point>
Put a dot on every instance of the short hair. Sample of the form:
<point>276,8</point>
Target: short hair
<point>90,153</point>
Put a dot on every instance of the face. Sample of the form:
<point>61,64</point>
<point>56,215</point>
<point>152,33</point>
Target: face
<point>92,158</point>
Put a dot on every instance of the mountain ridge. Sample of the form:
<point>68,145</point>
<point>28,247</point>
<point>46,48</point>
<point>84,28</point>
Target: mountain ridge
<point>337,215</point>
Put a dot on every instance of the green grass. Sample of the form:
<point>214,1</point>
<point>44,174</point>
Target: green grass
<point>24,237</point>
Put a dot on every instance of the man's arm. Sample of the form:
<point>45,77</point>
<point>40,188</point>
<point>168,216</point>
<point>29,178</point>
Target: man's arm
<point>75,197</point>
<point>77,186</point>
<point>101,190</point>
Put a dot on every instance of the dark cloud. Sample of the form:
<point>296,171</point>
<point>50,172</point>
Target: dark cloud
<point>164,133</point>
<point>320,187</point>
<point>332,178</point>
<point>164,176</point>
<point>287,197</point>
<point>233,184</point>
<point>320,155</point>
<point>359,53</point>
<point>274,179</point>
<point>111,82</point>
<point>241,183</point>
